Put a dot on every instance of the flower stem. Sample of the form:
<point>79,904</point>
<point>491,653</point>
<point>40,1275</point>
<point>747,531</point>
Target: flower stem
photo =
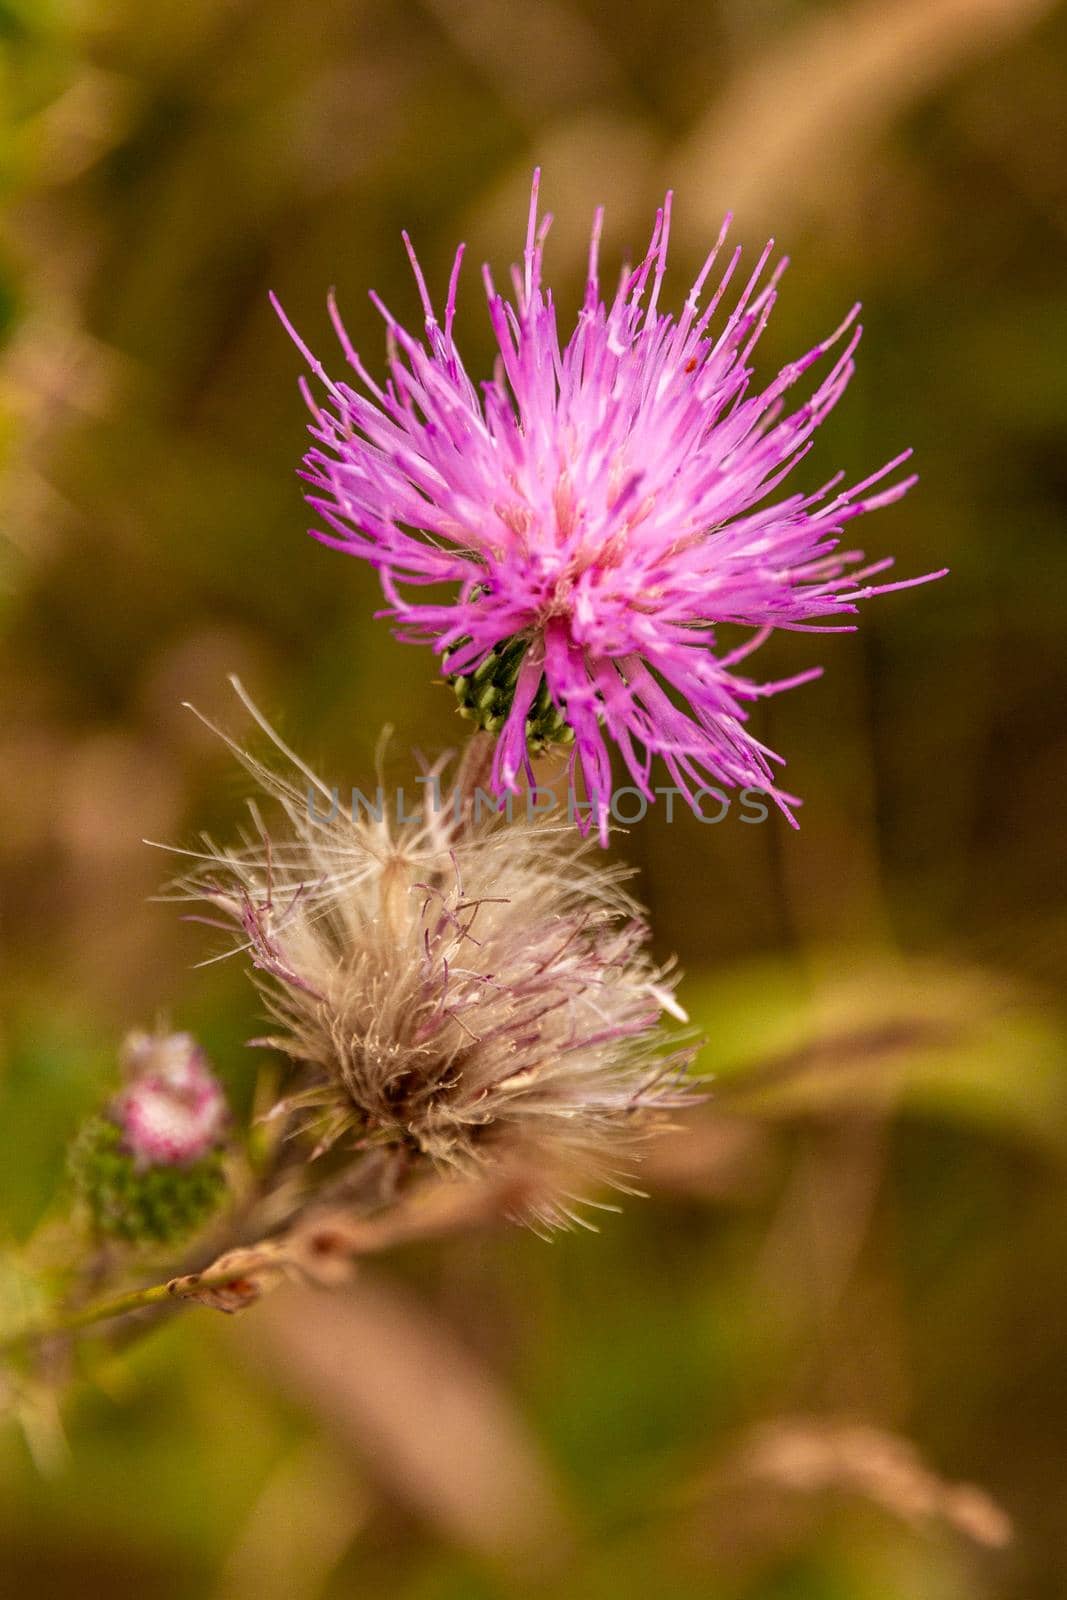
<point>105,1310</point>
<point>317,1248</point>
<point>475,767</point>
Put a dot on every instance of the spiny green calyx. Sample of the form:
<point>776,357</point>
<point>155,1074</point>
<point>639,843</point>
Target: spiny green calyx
<point>485,696</point>
<point>142,1204</point>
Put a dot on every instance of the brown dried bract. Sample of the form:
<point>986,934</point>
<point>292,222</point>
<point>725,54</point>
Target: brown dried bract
<point>236,1280</point>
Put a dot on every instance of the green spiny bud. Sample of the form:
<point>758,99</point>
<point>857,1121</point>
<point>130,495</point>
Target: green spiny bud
<point>142,1204</point>
<point>485,696</point>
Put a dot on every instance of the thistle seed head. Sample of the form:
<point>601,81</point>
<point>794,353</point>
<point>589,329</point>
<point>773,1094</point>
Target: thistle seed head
<point>449,986</point>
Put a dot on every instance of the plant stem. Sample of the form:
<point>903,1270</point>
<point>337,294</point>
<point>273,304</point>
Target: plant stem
<point>475,766</point>
<point>314,1248</point>
<point>120,1305</point>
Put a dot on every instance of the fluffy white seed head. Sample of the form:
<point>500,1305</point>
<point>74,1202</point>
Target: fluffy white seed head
<point>452,987</point>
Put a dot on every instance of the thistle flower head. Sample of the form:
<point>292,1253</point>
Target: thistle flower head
<point>450,988</point>
<point>172,1111</point>
<point>150,1168</point>
<point>600,507</point>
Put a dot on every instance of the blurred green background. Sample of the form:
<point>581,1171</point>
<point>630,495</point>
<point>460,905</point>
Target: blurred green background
<point>861,1242</point>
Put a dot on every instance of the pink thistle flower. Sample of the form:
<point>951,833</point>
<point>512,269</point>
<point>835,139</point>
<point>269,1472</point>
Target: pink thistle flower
<point>603,502</point>
<point>173,1111</point>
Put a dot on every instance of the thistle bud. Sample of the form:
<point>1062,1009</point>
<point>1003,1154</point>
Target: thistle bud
<point>150,1168</point>
<point>173,1111</point>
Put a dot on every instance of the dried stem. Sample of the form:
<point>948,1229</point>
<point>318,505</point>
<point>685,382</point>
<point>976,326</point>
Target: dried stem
<point>105,1310</point>
<point>475,766</point>
<point>321,1248</point>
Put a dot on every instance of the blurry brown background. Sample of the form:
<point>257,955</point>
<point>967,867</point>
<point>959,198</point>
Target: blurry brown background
<point>863,1242</point>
